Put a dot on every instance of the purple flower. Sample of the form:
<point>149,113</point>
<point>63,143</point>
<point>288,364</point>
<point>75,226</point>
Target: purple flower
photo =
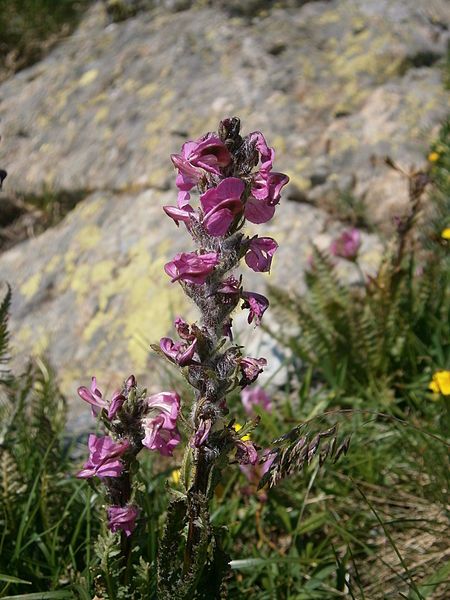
<point>183,329</point>
<point>257,305</point>
<point>179,214</point>
<point>347,244</point>
<point>208,153</point>
<point>230,286</point>
<point>268,186</point>
<point>255,397</point>
<point>104,457</point>
<point>265,194</point>
<point>255,472</point>
<point>260,253</point>
<point>168,405</point>
<point>157,437</point>
<point>191,267</point>
<point>122,518</point>
<point>178,352</point>
<point>221,204</point>
<point>130,383</point>
<point>267,154</point>
<point>94,397</point>
<point>202,432</point>
<point>250,369</point>
<point>160,431</point>
<point>258,211</point>
<point>115,405</point>
<point>246,453</point>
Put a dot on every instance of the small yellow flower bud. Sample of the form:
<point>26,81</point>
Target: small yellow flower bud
<point>445,235</point>
<point>433,156</point>
<point>237,427</point>
<point>440,383</point>
<point>175,476</point>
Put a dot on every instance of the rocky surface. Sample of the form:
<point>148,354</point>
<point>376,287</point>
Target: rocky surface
<point>335,86</point>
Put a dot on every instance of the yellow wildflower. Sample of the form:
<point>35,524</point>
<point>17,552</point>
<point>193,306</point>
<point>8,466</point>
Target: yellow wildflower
<point>175,476</point>
<point>446,233</point>
<point>433,156</point>
<point>237,427</point>
<point>440,383</point>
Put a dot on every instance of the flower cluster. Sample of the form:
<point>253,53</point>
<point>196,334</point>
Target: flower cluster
<point>235,182</point>
<point>133,420</point>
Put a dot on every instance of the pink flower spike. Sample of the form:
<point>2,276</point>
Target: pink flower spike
<point>257,305</point>
<point>122,518</point>
<point>191,267</point>
<point>159,439</point>
<point>179,214</point>
<point>260,253</point>
<point>347,244</point>
<point>168,405</point>
<point>256,396</point>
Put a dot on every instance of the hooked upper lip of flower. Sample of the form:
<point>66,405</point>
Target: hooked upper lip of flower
<point>178,352</point>
<point>94,397</point>
<point>208,153</point>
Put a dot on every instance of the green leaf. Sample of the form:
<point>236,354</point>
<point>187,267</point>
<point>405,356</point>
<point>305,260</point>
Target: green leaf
<point>40,596</point>
<point>11,579</point>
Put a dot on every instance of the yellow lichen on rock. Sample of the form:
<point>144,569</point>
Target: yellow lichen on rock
<point>31,286</point>
<point>88,77</point>
<point>88,237</point>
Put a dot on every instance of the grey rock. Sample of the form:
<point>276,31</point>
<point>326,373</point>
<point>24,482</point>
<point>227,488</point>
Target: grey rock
<point>335,86</point>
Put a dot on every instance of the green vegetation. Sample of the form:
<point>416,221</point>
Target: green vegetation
<point>371,527</point>
<point>29,27</point>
